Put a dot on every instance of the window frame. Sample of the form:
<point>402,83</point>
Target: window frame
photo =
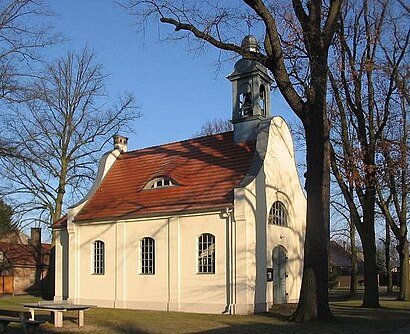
<point>278,214</point>
<point>207,268</point>
<point>160,182</point>
<point>147,256</point>
<point>98,259</point>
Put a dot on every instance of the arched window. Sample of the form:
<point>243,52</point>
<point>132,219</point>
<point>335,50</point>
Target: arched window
<point>160,182</point>
<point>206,254</point>
<point>278,215</point>
<point>147,256</point>
<point>245,100</point>
<point>99,257</point>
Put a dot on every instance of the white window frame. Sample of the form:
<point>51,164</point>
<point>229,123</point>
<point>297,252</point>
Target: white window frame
<point>160,182</point>
<point>98,259</point>
<point>206,246</point>
<point>278,214</point>
<point>147,256</point>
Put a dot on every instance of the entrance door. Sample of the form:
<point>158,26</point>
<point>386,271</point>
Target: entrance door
<point>279,275</point>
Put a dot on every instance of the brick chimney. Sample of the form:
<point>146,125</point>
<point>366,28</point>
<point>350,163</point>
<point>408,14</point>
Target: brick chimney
<point>35,239</point>
<point>120,142</point>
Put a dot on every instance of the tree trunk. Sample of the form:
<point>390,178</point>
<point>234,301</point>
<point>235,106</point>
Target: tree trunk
<point>61,189</point>
<point>387,256</point>
<point>403,249</point>
<point>371,286</point>
<point>314,300</point>
<point>353,260</point>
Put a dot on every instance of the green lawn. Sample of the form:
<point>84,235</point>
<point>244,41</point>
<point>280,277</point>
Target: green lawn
<point>350,318</point>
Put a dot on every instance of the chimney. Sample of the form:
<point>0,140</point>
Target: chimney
<point>35,239</point>
<point>120,142</point>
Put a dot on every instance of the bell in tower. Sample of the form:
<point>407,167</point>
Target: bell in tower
<point>250,93</point>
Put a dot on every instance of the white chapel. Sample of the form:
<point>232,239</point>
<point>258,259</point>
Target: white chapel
<point>214,224</point>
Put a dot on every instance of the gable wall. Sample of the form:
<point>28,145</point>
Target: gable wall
<point>276,180</point>
<point>286,187</point>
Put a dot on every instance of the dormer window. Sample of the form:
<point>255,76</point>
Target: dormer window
<point>160,182</point>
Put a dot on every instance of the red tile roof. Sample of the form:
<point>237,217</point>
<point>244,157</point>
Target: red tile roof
<point>339,256</point>
<point>24,255</point>
<point>206,170</point>
<point>61,223</point>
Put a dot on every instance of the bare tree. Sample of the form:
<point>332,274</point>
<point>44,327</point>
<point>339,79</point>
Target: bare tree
<point>22,38</point>
<point>387,245</point>
<point>297,55</point>
<point>393,186</point>
<point>65,123</point>
<point>371,51</point>
<point>215,126</point>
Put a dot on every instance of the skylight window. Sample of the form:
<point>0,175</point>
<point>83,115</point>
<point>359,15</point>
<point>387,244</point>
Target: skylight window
<point>160,182</point>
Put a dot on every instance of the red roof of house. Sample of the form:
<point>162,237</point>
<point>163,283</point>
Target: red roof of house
<point>24,255</point>
<point>61,223</point>
<point>206,170</point>
<point>339,256</point>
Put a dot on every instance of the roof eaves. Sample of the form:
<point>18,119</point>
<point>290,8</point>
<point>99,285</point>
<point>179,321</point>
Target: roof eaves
<point>156,214</point>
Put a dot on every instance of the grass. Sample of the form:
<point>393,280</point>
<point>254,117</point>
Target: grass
<point>350,318</point>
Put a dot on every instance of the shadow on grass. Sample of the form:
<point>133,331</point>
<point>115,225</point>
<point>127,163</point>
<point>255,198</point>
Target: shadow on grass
<point>351,318</point>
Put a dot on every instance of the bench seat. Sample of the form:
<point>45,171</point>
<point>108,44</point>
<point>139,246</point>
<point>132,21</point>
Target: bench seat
<point>28,326</point>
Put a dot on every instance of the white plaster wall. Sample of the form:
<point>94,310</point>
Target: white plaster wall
<point>141,290</point>
<point>284,185</point>
<point>89,286</point>
<point>245,239</point>
<point>61,264</point>
<point>176,284</point>
<point>277,180</point>
<point>201,292</point>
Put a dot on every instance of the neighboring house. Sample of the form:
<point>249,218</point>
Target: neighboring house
<point>213,224</point>
<point>340,260</point>
<point>15,236</point>
<point>24,263</point>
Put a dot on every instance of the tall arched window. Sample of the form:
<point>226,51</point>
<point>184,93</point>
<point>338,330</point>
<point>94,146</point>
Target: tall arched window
<point>278,215</point>
<point>147,256</point>
<point>262,100</point>
<point>98,257</point>
<point>206,254</point>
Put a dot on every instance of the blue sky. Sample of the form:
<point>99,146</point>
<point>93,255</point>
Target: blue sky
<point>177,91</point>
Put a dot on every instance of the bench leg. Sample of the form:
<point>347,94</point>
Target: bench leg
<point>81,318</point>
<point>58,319</point>
<point>31,314</point>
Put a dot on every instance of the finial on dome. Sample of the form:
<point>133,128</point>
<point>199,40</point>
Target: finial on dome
<point>250,43</point>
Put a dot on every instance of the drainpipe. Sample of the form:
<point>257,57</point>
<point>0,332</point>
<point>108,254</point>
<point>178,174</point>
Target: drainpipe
<point>228,215</point>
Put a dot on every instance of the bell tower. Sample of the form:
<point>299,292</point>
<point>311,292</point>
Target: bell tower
<point>250,94</point>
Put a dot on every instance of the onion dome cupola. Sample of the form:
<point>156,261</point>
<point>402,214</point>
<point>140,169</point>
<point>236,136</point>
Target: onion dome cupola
<point>250,93</point>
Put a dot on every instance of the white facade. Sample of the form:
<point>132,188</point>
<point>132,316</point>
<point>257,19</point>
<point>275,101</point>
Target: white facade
<point>244,245</point>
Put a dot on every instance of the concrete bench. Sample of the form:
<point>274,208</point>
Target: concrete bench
<point>57,309</point>
<point>28,326</point>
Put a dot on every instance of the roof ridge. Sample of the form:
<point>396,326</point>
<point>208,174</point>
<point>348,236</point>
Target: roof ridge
<point>179,141</point>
